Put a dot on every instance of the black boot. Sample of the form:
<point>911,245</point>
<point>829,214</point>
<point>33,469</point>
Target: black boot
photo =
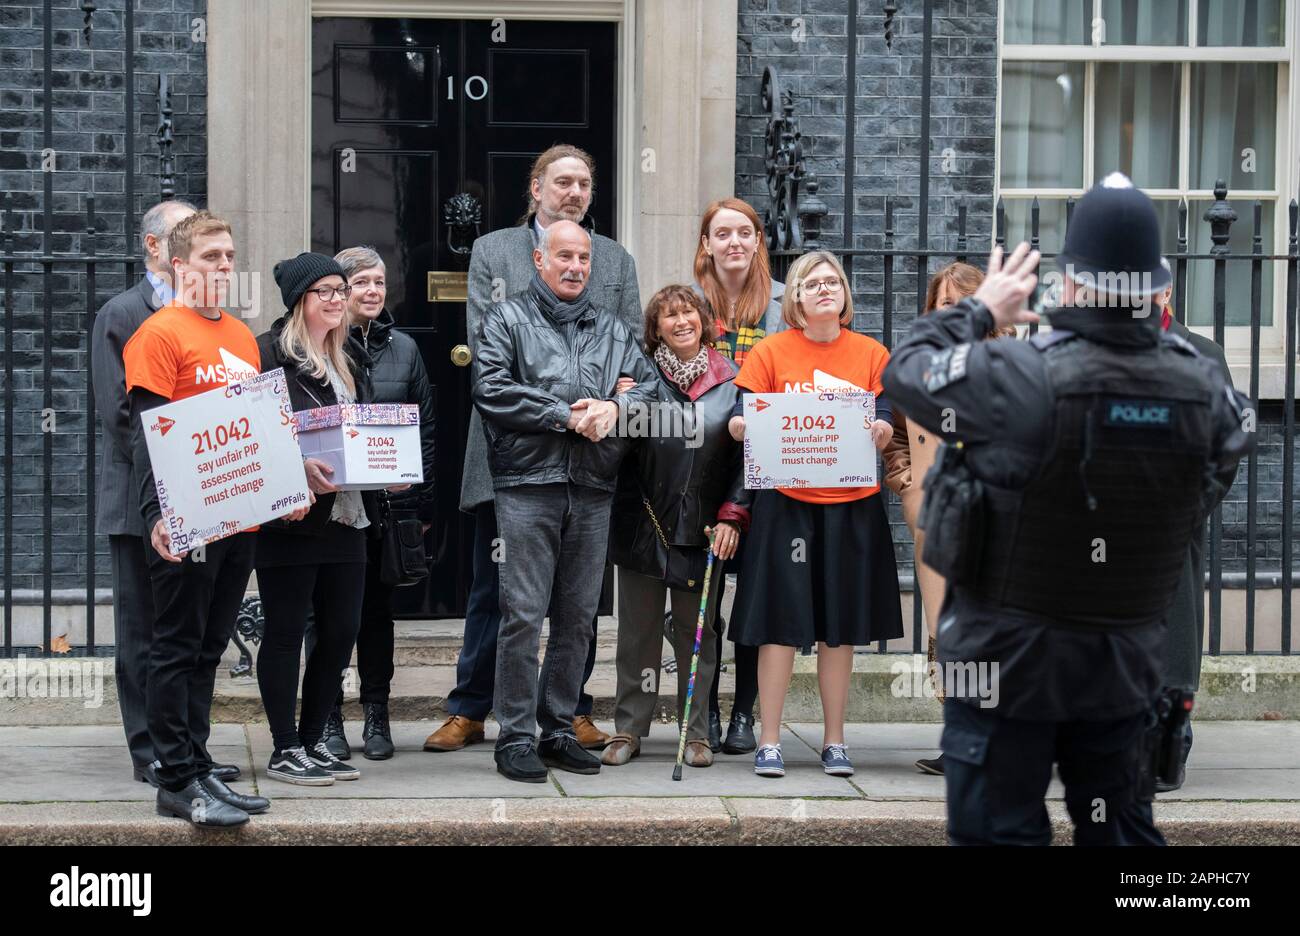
<point>200,806</point>
<point>376,734</point>
<point>253,805</point>
<point>715,732</point>
<point>520,762</point>
<point>333,736</point>
<point>224,772</point>
<point>565,753</point>
<point>740,734</point>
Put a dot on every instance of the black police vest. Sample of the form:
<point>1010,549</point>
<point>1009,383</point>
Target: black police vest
<point>1099,536</point>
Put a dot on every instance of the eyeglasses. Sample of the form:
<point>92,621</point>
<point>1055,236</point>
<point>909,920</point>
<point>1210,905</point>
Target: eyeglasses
<point>328,292</point>
<point>833,285</point>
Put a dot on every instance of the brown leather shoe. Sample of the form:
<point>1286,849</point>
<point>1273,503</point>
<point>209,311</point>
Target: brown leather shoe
<point>622,748</point>
<point>589,736</point>
<point>456,732</point>
<point>698,754</point>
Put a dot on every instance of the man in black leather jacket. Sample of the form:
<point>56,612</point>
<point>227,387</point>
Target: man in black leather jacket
<point>544,381</point>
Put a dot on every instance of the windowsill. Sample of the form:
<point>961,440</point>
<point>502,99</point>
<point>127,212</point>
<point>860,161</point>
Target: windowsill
<point>1272,375</point>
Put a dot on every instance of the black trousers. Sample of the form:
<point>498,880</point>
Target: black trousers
<point>331,594</point>
<point>997,771</point>
<point>133,616</point>
<point>375,638</point>
<point>196,603</point>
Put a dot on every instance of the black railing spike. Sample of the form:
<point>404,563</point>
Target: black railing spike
<point>1182,225</point>
<point>1035,211</point>
<point>1221,217</point>
<point>88,8</point>
<point>1293,218</point>
<point>166,162</point>
<point>1000,223</point>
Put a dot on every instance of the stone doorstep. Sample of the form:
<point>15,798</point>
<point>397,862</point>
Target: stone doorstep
<point>884,690</point>
<point>605,821</point>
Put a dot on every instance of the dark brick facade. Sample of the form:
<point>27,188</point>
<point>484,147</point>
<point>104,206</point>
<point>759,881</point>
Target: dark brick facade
<point>89,140</point>
<point>807,40</point>
<point>89,134</point>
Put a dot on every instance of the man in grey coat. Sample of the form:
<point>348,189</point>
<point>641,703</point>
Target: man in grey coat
<point>560,186</point>
<point>118,513</point>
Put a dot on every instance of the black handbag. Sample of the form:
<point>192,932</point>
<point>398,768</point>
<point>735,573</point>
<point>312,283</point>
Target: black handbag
<point>402,559</point>
<point>684,566</point>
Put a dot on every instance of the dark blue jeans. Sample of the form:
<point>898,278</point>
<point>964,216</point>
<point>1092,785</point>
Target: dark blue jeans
<point>997,771</point>
<point>477,665</point>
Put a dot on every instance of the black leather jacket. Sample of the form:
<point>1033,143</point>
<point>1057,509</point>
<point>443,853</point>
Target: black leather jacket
<point>689,485</point>
<point>397,375</point>
<point>525,375</point>
<point>305,392</point>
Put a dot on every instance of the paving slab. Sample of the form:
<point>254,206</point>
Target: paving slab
<point>69,774</point>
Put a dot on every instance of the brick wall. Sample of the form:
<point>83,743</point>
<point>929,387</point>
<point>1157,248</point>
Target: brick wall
<point>89,142</point>
<point>807,41</point>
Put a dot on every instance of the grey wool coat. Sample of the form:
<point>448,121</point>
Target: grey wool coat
<point>506,256</point>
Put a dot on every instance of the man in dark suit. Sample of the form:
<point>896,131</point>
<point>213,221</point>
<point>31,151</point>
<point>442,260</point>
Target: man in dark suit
<point>1186,633</point>
<point>118,513</point>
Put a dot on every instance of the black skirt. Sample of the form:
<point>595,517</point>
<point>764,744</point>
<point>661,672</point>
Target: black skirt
<point>817,573</point>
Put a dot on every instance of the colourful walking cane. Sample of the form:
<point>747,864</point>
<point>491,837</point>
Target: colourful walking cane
<point>695,661</point>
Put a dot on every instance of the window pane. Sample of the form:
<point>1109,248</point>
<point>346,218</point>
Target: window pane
<point>1049,22</point>
<point>1137,123</point>
<point>1144,22</point>
<point>1042,125</point>
<point>1234,124</point>
<point>1200,273</point>
<point>1240,23</point>
<point>1051,227</point>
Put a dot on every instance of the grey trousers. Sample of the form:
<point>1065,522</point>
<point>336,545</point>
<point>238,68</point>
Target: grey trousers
<point>640,649</point>
<point>553,545</point>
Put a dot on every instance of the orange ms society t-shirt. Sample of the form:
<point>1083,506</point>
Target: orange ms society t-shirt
<point>177,353</point>
<point>789,362</point>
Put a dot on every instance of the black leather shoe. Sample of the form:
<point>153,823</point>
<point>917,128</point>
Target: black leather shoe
<point>335,740</point>
<point>931,765</point>
<point>148,774</point>
<point>253,805</point>
<point>740,735</point>
<point>715,732</point>
<point>226,773</point>
<point>200,806</point>
<point>376,734</point>
<point>520,762</point>
<point>565,753</point>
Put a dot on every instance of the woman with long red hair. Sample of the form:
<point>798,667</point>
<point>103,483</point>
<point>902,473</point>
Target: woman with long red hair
<point>734,275</point>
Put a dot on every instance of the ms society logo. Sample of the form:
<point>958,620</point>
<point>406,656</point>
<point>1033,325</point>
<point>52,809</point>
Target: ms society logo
<point>162,425</point>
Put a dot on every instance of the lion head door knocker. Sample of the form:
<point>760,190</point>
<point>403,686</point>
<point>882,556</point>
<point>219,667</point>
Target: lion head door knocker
<point>461,213</point>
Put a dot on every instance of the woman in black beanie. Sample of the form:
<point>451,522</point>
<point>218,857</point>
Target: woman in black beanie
<point>314,568</point>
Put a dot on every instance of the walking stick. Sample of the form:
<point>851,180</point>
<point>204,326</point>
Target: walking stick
<point>695,662</point>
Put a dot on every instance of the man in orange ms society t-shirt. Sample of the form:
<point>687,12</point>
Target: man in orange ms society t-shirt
<point>184,349</point>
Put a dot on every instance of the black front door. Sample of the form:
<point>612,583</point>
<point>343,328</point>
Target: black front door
<point>407,114</point>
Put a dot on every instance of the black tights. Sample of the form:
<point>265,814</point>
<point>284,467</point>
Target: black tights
<point>331,594</point>
<point>746,678</point>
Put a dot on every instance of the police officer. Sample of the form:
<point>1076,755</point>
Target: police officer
<point>1078,467</point>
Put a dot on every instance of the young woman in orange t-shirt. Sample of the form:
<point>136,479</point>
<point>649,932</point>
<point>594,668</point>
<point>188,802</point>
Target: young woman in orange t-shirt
<point>819,567</point>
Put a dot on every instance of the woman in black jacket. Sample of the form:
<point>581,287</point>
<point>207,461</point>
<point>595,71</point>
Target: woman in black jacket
<point>314,568</point>
<point>681,482</point>
<point>397,375</point>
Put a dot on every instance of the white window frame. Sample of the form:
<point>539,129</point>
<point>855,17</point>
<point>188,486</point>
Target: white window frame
<point>1286,171</point>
